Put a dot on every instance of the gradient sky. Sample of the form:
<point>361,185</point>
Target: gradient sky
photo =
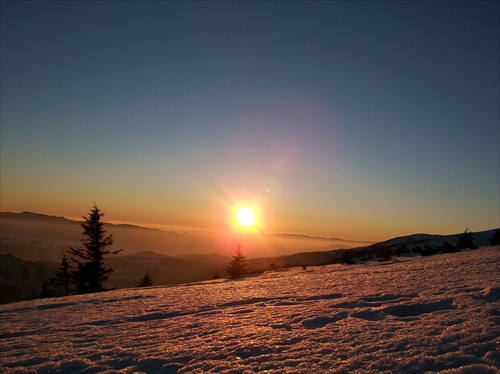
<point>362,120</point>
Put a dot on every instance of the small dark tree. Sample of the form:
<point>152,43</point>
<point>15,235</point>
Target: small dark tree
<point>238,266</point>
<point>90,273</point>
<point>216,274</point>
<point>59,284</point>
<point>62,278</point>
<point>46,289</point>
<point>146,281</point>
<point>495,238</point>
<point>466,240</point>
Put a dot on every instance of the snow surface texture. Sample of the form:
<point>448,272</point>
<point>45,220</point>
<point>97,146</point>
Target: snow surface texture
<point>410,315</point>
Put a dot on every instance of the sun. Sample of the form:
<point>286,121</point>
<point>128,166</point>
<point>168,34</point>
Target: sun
<point>245,217</point>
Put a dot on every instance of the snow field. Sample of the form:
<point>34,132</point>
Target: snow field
<point>410,315</point>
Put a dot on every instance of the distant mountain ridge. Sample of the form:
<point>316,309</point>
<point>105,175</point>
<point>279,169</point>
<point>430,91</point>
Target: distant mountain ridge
<point>32,244</point>
<point>481,239</point>
<point>50,236</point>
<point>411,242</point>
<point>34,236</point>
<point>60,219</point>
<point>302,236</point>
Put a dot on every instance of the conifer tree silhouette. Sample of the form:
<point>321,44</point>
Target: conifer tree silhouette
<point>90,273</point>
<point>46,290</point>
<point>146,281</point>
<point>62,278</point>
<point>238,266</point>
<point>59,284</point>
<point>495,238</point>
<point>466,240</point>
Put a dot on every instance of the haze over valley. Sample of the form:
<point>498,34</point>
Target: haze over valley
<point>47,237</point>
<point>32,246</point>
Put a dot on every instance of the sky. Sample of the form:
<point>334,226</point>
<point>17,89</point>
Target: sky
<point>361,120</point>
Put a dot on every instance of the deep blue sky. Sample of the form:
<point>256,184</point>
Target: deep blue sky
<point>358,119</point>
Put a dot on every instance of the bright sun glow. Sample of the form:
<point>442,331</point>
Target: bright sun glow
<point>245,217</point>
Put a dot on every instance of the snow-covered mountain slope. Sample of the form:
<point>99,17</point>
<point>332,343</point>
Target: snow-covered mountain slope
<point>410,315</point>
<point>481,239</point>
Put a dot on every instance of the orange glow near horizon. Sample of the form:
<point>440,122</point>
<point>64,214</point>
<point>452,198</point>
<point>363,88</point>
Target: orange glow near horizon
<point>238,219</point>
<point>245,217</point>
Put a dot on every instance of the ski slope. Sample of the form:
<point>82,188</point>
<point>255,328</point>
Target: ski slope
<point>409,315</point>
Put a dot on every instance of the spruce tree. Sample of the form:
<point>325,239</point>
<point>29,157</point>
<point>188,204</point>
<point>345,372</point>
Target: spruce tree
<point>495,238</point>
<point>466,240</point>
<point>62,278</point>
<point>238,266</point>
<point>59,284</point>
<point>146,281</point>
<point>46,289</point>
<point>90,273</point>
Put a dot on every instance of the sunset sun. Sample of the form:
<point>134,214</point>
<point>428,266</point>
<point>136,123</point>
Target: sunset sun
<point>245,217</point>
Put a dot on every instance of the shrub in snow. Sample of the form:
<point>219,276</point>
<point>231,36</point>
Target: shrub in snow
<point>427,251</point>
<point>256,271</point>
<point>448,248</point>
<point>386,254</point>
<point>347,259</point>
